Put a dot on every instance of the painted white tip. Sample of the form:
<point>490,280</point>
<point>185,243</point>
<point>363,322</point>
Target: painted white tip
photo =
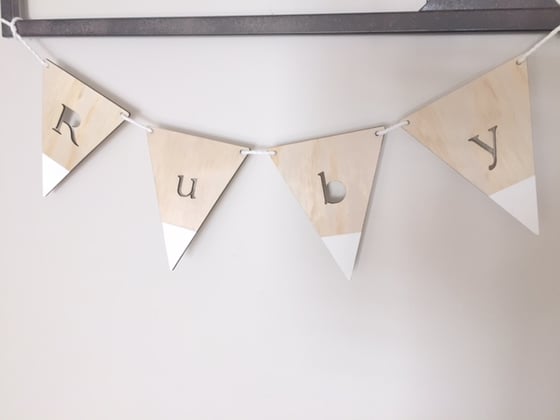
<point>177,239</point>
<point>53,173</point>
<point>520,200</point>
<point>344,249</point>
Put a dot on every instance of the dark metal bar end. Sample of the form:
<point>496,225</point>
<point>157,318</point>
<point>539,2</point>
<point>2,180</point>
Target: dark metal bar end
<point>10,10</point>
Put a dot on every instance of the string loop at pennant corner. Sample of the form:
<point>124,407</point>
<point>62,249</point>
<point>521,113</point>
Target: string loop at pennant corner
<point>523,57</point>
<point>129,120</point>
<point>251,152</point>
<point>393,127</point>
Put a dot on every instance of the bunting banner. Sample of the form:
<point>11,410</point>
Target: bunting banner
<point>190,174</point>
<point>76,119</point>
<point>332,178</point>
<point>483,131</point>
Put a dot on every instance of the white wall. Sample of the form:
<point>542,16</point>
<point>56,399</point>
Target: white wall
<point>454,308</point>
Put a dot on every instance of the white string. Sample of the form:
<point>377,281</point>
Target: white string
<point>136,123</point>
<point>16,35</point>
<point>13,28</point>
<point>523,57</point>
<point>246,152</point>
<point>392,128</point>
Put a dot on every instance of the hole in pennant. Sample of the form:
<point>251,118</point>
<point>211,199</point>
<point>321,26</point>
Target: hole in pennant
<point>71,117</point>
<point>336,192</point>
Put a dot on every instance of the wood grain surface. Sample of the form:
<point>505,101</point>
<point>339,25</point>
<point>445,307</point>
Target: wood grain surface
<point>499,98</point>
<point>349,158</point>
<point>98,117</point>
<point>212,163</point>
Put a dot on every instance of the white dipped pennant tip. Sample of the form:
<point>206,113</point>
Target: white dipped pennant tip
<point>483,131</point>
<point>177,239</point>
<point>520,200</point>
<point>76,119</point>
<point>332,179</point>
<point>53,174</point>
<point>190,174</point>
<point>344,249</point>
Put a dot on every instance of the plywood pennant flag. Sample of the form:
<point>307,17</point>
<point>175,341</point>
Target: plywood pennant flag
<point>483,131</point>
<point>332,178</point>
<point>190,173</point>
<point>76,119</point>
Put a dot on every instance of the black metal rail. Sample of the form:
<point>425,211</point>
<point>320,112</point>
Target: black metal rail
<point>539,15</point>
<point>10,9</point>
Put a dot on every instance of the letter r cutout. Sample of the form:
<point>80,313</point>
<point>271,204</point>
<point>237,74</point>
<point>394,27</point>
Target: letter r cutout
<point>69,118</point>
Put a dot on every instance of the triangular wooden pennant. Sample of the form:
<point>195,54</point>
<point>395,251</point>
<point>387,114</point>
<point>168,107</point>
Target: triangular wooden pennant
<point>315,169</point>
<point>483,131</point>
<point>190,173</point>
<point>76,119</point>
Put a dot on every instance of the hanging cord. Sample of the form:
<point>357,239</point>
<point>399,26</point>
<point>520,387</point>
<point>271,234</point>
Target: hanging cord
<point>392,128</point>
<point>13,28</point>
<point>247,152</point>
<point>136,123</point>
<point>523,57</point>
